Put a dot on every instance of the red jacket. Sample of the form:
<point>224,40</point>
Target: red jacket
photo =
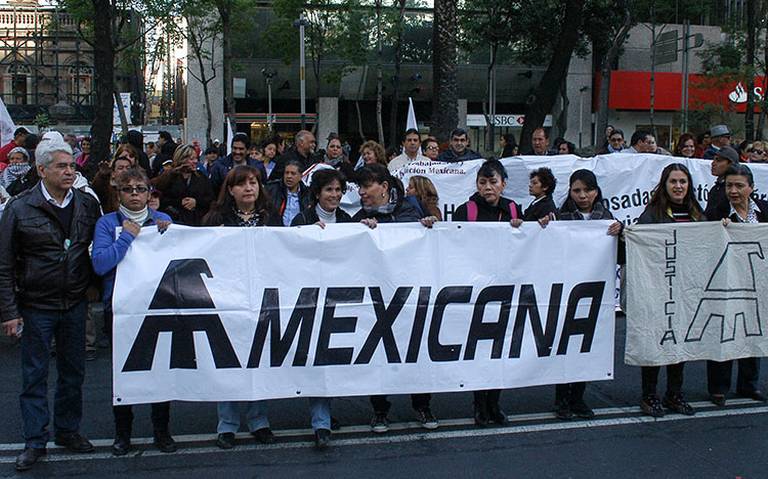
<point>5,150</point>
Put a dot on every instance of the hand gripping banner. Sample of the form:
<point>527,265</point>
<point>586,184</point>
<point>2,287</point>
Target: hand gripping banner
<point>696,291</point>
<point>215,314</point>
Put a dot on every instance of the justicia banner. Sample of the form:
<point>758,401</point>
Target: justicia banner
<point>222,314</point>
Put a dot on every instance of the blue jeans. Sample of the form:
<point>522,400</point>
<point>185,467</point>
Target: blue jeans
<point>40,327</point>
<point>229,415</point>
<point>320,409</point>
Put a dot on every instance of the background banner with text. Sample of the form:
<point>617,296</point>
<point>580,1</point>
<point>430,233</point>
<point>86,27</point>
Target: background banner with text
<point>626,180</point>
<point>221,314</point>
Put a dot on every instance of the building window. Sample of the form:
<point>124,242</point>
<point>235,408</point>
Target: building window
<point>17,84</point>
<point>80,84</point>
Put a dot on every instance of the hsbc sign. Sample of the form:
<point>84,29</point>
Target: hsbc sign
<point>503,120</point>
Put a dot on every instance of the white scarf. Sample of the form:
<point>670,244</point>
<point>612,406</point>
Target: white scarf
<point>138,217</point>
<point>325,216</point>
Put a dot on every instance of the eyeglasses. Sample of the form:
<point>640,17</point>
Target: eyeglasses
<point>759,152</point>
<point>130,189</point>
<point>431,148</point>
<point>125,157</point>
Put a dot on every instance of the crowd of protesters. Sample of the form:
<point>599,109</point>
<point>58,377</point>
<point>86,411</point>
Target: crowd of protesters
<point>67,215</point>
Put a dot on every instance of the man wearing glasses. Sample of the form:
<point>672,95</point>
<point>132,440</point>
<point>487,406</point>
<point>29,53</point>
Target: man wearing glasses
<point>720,137</point>
<point>459,150</point>
<point>45,271</point>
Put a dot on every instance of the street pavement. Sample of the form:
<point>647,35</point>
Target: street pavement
<point>725,442</point>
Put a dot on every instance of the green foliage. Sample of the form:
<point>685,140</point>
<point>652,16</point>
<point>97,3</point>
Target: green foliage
<point>42,121</point>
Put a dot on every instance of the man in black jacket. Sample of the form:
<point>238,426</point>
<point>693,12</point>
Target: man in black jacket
<point>45,270</point>
<point>717,199</point>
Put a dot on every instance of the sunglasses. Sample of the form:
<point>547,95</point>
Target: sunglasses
<point>130,189</point>
<point>759,152</point>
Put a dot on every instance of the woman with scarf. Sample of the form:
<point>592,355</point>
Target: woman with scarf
<point>112,238</point>
<point>18,167</point>
<point>381,198</point>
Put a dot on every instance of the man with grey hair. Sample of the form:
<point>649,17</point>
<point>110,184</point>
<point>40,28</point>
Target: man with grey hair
<point>45,270</point>
<point>303,147</point>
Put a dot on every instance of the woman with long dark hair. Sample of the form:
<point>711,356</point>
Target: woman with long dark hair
<point>685,146</point>
<point>584,202</point>
<point>672,201</point>
<point>242,202</point>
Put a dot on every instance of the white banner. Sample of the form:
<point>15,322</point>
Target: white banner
<point>626,180</point>
<point>213,314</point>
<point>694,292</point>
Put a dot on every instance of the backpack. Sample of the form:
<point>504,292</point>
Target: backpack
<point>472,210</point>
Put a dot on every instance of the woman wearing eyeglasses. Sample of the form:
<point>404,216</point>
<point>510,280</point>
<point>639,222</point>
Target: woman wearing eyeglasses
<point>111,241</point>
<point>431,148</point>
<point>756,152</point>
<point>686,146</point>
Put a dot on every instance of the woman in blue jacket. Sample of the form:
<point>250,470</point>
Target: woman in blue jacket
<point>112,238</point>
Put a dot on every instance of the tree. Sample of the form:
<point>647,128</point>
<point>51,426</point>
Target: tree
<point>545,94</point>
<point>226,8</point>
<point>611,26</point>
<point>445,115</point>
<point>104,25</point>
<point>398,59</point>
<point>493,27</point>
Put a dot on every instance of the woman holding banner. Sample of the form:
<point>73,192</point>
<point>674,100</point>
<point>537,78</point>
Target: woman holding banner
<point>242,202</point>
<point>488,204</point>
<point>112,238</point>
<point>672,201</point>
<point>741,208</point>
<point>381,198</point>
<point>541,186</point>
<point>584,202</point>
<point>327,188</point>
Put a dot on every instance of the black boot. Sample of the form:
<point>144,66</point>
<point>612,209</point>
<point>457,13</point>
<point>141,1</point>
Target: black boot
<point>495,413</point>
<point>481,408</point>
<point>122,443</point>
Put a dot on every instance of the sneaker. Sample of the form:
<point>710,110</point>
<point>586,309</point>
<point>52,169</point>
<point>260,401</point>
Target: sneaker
<point>380,424</point>
<point>581,410</point>
<point>677,404</point>
<point>427,419</point>
<point>651,406</point>
<point>563,410</point>
<point>122,445</point>
<point>226,440</point>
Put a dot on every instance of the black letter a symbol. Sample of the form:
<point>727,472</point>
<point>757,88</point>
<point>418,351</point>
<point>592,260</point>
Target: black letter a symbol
<point>182,287</point>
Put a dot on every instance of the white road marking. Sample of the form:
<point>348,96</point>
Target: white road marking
<point>402,438</point>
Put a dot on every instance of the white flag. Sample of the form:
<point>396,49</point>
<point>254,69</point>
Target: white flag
<point>411,123</point>
<point>229,136</point>
<point>6,124</point>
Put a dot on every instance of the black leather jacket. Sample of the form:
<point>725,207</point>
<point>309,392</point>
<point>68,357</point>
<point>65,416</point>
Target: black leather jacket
<point>38,268</point>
